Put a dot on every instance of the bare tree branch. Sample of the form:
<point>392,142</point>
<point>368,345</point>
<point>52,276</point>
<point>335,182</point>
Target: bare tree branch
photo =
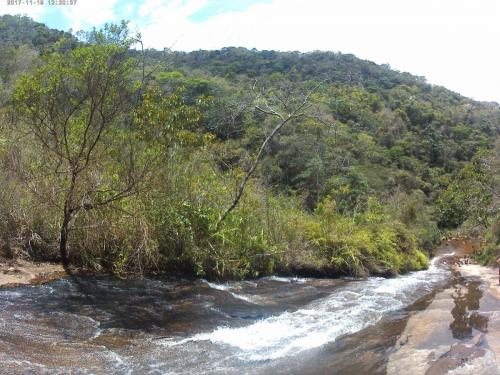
<point>284,119</point>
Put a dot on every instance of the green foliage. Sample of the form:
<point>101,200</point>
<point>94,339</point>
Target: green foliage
<point>367,244</point>
<point>467,197</point>
<point>16,31</point>
<point>489,253</point>
<point>361,191</point>
<point>74,110</point>
<point>80,145</point>
<point>350,191</point>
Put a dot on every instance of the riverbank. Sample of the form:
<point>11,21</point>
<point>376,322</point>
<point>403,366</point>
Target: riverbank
<point>22,272</point>
<point>459,332</point>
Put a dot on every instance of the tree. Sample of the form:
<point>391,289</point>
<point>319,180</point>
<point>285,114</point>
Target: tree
<point>286,107</point>
<point>470,195</point>
<point>75,117</point>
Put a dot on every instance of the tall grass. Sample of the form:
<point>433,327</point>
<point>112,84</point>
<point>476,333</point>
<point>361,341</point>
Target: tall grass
<point>169,227</point>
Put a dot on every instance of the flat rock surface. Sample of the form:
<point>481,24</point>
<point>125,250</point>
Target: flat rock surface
<point>22,272</point>
<point>458,333</point>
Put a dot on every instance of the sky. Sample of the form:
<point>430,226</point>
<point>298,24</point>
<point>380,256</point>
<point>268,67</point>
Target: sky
<point>453,43</point>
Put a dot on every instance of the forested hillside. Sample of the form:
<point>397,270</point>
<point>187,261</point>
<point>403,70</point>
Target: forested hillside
<point>21,40</point>
<point>233,163</point>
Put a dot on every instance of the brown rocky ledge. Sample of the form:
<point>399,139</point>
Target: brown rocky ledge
<point>21,272</point>
<point>459,332</point>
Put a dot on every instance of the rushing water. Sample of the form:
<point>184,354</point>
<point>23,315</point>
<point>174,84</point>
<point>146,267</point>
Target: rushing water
<point>270,325</point>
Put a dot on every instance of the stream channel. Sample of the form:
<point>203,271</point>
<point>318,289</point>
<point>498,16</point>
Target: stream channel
<point>273,325</point>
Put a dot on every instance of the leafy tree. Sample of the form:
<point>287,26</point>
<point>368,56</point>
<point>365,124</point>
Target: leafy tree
<point>350,191</point>
<point>468,196</point>
<point>75,113</point>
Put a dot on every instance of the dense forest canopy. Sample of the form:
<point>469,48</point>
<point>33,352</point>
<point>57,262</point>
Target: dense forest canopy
<point>378,167</point>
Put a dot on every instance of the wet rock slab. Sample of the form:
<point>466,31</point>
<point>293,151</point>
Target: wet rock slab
<point>458,333</point>
<point>457,356</point>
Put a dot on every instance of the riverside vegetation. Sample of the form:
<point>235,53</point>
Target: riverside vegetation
<point>126,160</point>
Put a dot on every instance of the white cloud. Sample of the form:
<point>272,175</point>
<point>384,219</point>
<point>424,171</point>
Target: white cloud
<point>83,15</point>
<point>86,14</point>
<point>167,21</point>
<point>451,42</point>
<point>127,11</point>
<point>33,11</point>
<point>161,10</point>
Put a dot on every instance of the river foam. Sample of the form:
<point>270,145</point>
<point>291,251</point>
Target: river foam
<point>349,309</point>
<point>228,288</point>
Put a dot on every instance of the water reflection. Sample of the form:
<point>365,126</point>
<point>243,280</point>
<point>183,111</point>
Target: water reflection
<point>465,315</point>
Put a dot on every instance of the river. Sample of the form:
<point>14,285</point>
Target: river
<point>98,325</point>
